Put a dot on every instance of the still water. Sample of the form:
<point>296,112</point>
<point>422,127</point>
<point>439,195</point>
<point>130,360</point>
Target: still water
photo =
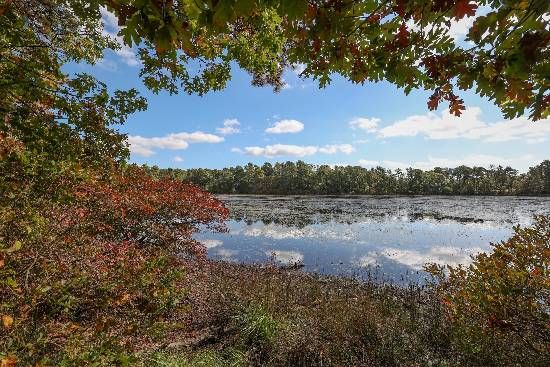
<point>387,238</point>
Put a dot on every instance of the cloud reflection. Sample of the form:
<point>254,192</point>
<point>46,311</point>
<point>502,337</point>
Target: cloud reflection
<point>227,255</point>
<point>286,257</point>
<point>416,259</point>
<point>211,243</point>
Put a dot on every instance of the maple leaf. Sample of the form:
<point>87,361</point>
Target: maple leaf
<point>465,8</point>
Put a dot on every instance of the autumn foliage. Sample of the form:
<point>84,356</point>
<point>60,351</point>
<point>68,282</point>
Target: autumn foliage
<point>103,267</point>
<point>503,296</point>
<point>92,251</point>
<point>136,208</point>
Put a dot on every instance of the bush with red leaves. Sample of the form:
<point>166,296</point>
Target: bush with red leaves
<point>99,275</point>
<point>144,211</point>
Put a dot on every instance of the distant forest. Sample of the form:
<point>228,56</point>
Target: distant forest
<point>299,178</point>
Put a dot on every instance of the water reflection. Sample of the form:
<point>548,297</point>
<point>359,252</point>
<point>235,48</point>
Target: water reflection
<point>364,236</point>
<point>286,257</point>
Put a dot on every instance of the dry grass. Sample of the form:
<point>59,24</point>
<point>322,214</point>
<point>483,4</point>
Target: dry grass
<point>281,317</point>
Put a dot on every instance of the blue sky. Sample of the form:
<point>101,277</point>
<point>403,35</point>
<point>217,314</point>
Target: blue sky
<point>373,124</point>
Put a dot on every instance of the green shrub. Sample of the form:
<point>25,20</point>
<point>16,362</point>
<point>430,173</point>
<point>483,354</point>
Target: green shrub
<point>257,326</point>
<point>499,305</point>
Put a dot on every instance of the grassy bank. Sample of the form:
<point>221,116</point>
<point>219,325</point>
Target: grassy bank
<point>269,316</point>
<point>250,315</point>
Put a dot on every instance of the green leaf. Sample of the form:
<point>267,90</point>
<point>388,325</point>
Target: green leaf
<point>293,8</point>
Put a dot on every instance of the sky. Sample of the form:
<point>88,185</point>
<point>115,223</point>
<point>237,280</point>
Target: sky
<point>342,124</point>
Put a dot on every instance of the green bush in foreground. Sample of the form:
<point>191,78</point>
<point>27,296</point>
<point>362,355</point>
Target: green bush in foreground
<point>257,326</point>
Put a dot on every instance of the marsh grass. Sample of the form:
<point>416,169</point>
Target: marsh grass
<point>282,317</point>
<point>287,318</point>
<point>207,358</point>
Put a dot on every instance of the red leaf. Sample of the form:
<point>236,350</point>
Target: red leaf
<point>465,8</point>
<point>456,107</point>
<point>403,36</point>
<point>400,7</point>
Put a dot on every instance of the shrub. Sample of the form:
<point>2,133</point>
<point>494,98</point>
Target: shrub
<point>96,276</point>
<point>499,305</point>
<point>257,326</point>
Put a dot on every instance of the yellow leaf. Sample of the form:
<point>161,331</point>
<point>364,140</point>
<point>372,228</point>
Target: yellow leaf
<point>7,321</point>
<point>523,5</point>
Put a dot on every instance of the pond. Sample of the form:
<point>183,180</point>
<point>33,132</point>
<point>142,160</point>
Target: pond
<point>382,238</point>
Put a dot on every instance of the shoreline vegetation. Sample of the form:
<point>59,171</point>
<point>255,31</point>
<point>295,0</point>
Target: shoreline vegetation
<point>300,178</point>
<point>494,313</point>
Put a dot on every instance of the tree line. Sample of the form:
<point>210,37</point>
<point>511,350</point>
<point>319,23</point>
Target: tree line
<point>300,178</point>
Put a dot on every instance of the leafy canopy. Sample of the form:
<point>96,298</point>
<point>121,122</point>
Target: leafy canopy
<point>405,42</point>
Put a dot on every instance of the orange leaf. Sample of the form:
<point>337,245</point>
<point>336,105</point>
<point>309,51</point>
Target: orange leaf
<point>7,321</point>
<point>9,361</point>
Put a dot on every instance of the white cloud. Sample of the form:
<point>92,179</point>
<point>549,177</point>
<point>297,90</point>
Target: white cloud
<point>230,126</point>
<point>459,28</point>
<point>333,149</point>
<point>178,159</point>
<point>285,127</point>
<point>468,126</point>
<point>275,150</point>
<point>111,29</point>
<point>479,160</point>
<point>146,146</point>
<point>368,163</point>
<point>271,151</point>
<point>368,124</point>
